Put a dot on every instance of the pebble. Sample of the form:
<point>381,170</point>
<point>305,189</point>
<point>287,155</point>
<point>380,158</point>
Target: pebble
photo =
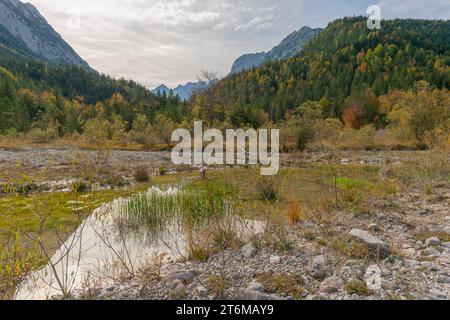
<point>409,253</point>
<point>433,242</point>
<point>255,286</point>
<point>318,267</point>
<point>248,251</point>
<point>331,285</point>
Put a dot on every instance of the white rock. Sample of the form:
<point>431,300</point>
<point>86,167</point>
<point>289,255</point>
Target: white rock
<point>255,286</point>
<point>248,251</point>
<point>375,245</point>
<point>373,277</point>
<point>275,259</point>
<point>409,253</point>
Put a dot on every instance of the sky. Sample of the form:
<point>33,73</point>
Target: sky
<point>171,41</point>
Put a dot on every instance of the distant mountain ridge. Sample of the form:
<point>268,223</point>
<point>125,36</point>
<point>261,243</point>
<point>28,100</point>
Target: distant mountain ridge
<point>289,47</point>
<point>25,31</point>
<point>183,91</point>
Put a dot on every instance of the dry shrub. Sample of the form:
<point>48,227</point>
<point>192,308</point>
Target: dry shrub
<point>199,245</point>
<point>218,285</point>
<point>141,174</point>
<point>295,213</point>
<point>282,283</point>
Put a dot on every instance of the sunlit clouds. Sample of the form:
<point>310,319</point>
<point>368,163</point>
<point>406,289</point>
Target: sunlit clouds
<point>170,41</point>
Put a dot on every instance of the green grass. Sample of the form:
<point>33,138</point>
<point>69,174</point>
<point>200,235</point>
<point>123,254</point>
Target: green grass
<point>198,204</point>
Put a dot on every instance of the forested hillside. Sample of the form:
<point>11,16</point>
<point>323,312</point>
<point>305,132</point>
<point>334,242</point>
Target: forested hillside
<point>36,95</point>
<point>393,81</point>
<point>345,63</point>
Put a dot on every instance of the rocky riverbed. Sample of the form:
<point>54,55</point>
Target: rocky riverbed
<point>401,253</point>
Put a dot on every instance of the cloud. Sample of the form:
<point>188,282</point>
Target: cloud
<point>169,41</point>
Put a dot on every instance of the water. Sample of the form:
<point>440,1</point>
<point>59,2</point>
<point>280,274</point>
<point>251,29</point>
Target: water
<point>97,250</point>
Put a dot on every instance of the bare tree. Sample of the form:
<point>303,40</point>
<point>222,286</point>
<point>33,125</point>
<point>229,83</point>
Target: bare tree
<point>210,78</point>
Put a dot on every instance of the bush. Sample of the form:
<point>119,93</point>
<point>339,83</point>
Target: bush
<point>96,131</point>
<point>357,287</point>
<point>141,175</point>
<point>43,136</point>
<point>162,171</point>
<point>79,186</point>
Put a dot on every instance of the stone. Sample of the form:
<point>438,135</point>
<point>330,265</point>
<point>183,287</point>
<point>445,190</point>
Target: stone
<point>110,288</point>
<point>388,285</point>
<point>423,212</point>
<point>250,295</point>
<point>443,279</point>
<point>255,286</point>
<point>331,285</point>
<point>373,277</point>
<point>438,294</point>
<point>409,253</point>
<point>317,268</point>
<point>422,229</point>
<point>433,242</point>
<point>446,230</point>
<point>411,263</point>
<point>248,251</point>
<point>376,246</point>
<point>429,265</point>
<point>309,225</point>
<point>446,244</point>
<point>201,290</point>
<point>187,276</point>
<point>431,252</point>
<point>275,259</point>
<point>176,285</point>
<point>374,227</point>
<point>381,216</point>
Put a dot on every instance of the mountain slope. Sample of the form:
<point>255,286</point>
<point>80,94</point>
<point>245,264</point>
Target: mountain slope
<point>288,48</point>
<point>184,92</point>
<point>347,60</point>
<point>23,29</point>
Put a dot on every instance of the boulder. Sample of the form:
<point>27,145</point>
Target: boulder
<point>248,251</point>
<point>376,246</point>
<point>331,285</point>
<point>317,268</point>
<point>433,242</point>
<point>255,286</point>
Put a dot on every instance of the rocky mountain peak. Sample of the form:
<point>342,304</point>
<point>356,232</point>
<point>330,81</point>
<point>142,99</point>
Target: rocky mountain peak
<point>288,47</point>
<point>25,27</point>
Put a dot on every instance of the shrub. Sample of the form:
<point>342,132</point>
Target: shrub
<point>269,187</point>
<point>141,174</point>
<point>162,171</point>
<point>295,213</point>
<point>43,136</point>
<point>218,284</point>
<point>357,287</point>
<point>79,186</point>
<point>283,283</point>
<point>97,131</point>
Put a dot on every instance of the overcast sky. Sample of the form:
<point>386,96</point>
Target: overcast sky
<point>170,41</point>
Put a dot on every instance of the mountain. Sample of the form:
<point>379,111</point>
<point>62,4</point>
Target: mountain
<point>345,65</point>
<point>288,48</point>
<point>183,91</point>
<point>46,88</point>
<point>160,90</point>
<point>25,31</point>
